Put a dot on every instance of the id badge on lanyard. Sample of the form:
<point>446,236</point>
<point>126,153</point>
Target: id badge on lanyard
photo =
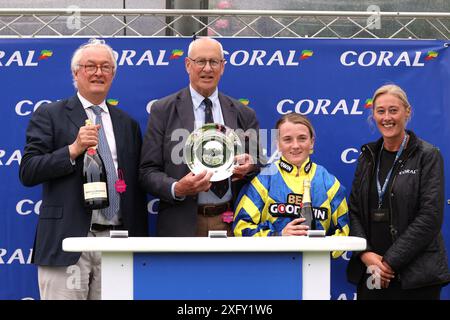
<point>382,190</point>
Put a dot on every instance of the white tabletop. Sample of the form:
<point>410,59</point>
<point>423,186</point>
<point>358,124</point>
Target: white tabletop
<point>204,244</point>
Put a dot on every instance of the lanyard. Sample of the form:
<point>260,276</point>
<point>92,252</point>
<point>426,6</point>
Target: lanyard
<point>380,190</point>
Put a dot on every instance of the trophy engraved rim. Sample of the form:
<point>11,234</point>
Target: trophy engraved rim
<point>212,147</point>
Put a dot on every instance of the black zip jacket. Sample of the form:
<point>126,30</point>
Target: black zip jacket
<point>416,203</point>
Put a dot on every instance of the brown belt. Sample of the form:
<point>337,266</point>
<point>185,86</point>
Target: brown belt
<point>213,209</point>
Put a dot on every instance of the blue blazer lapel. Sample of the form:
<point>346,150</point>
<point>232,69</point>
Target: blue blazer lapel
<point>75,112</point>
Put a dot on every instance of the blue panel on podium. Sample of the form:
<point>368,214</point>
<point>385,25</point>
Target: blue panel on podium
<point>214,276</point>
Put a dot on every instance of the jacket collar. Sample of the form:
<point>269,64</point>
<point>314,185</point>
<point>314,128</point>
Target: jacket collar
<point>287,168</point>
<point>372,148</point>
<point>229,112</point>
<point>75,111</point>
<point>185,109</point>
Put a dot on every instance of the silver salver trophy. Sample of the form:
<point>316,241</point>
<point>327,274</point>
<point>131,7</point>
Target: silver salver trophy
<point>213,147</point>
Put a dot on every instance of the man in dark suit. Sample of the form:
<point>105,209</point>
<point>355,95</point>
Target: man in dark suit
<point>190,205</point>
<point>56,140</point>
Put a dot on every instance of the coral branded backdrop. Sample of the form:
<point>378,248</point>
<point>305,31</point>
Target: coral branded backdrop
<point>330,81</point>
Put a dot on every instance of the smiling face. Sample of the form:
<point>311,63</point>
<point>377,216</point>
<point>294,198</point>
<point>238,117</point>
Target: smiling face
<point>391,115</point>
<point>295,142</point>
<point>94,86</point>
<point>204,79</point>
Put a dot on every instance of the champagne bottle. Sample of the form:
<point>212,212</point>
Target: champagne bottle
<point>95,184</point>
<point>307,211</point>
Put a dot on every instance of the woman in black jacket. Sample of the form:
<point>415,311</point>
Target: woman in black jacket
<point>397,205</point>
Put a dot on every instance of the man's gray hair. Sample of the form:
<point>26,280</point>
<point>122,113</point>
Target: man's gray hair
<point>191,45</point>
<point>74,64</point>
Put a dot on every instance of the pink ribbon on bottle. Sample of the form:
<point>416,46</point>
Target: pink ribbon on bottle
<point>120,184</point>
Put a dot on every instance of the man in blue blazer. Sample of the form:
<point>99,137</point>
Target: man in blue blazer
<point>189,205</point>
<point>56,140</point>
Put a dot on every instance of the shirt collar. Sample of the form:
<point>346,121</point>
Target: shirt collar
<point>197,98</point>
<point>86,104</point>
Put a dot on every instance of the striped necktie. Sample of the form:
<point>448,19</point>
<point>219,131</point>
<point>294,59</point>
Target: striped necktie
<point>219,188</point>
<point>111,173</point>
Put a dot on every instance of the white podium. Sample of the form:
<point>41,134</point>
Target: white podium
<point>299,266</point>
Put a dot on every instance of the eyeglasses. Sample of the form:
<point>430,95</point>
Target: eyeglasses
<point>213,63</point>
<point>92,68</point>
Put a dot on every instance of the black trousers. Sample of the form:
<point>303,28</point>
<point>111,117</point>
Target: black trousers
<point>395,292</point>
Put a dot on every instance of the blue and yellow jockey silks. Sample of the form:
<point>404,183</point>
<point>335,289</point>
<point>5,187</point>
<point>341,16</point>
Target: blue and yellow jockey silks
<point>273,184</point>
